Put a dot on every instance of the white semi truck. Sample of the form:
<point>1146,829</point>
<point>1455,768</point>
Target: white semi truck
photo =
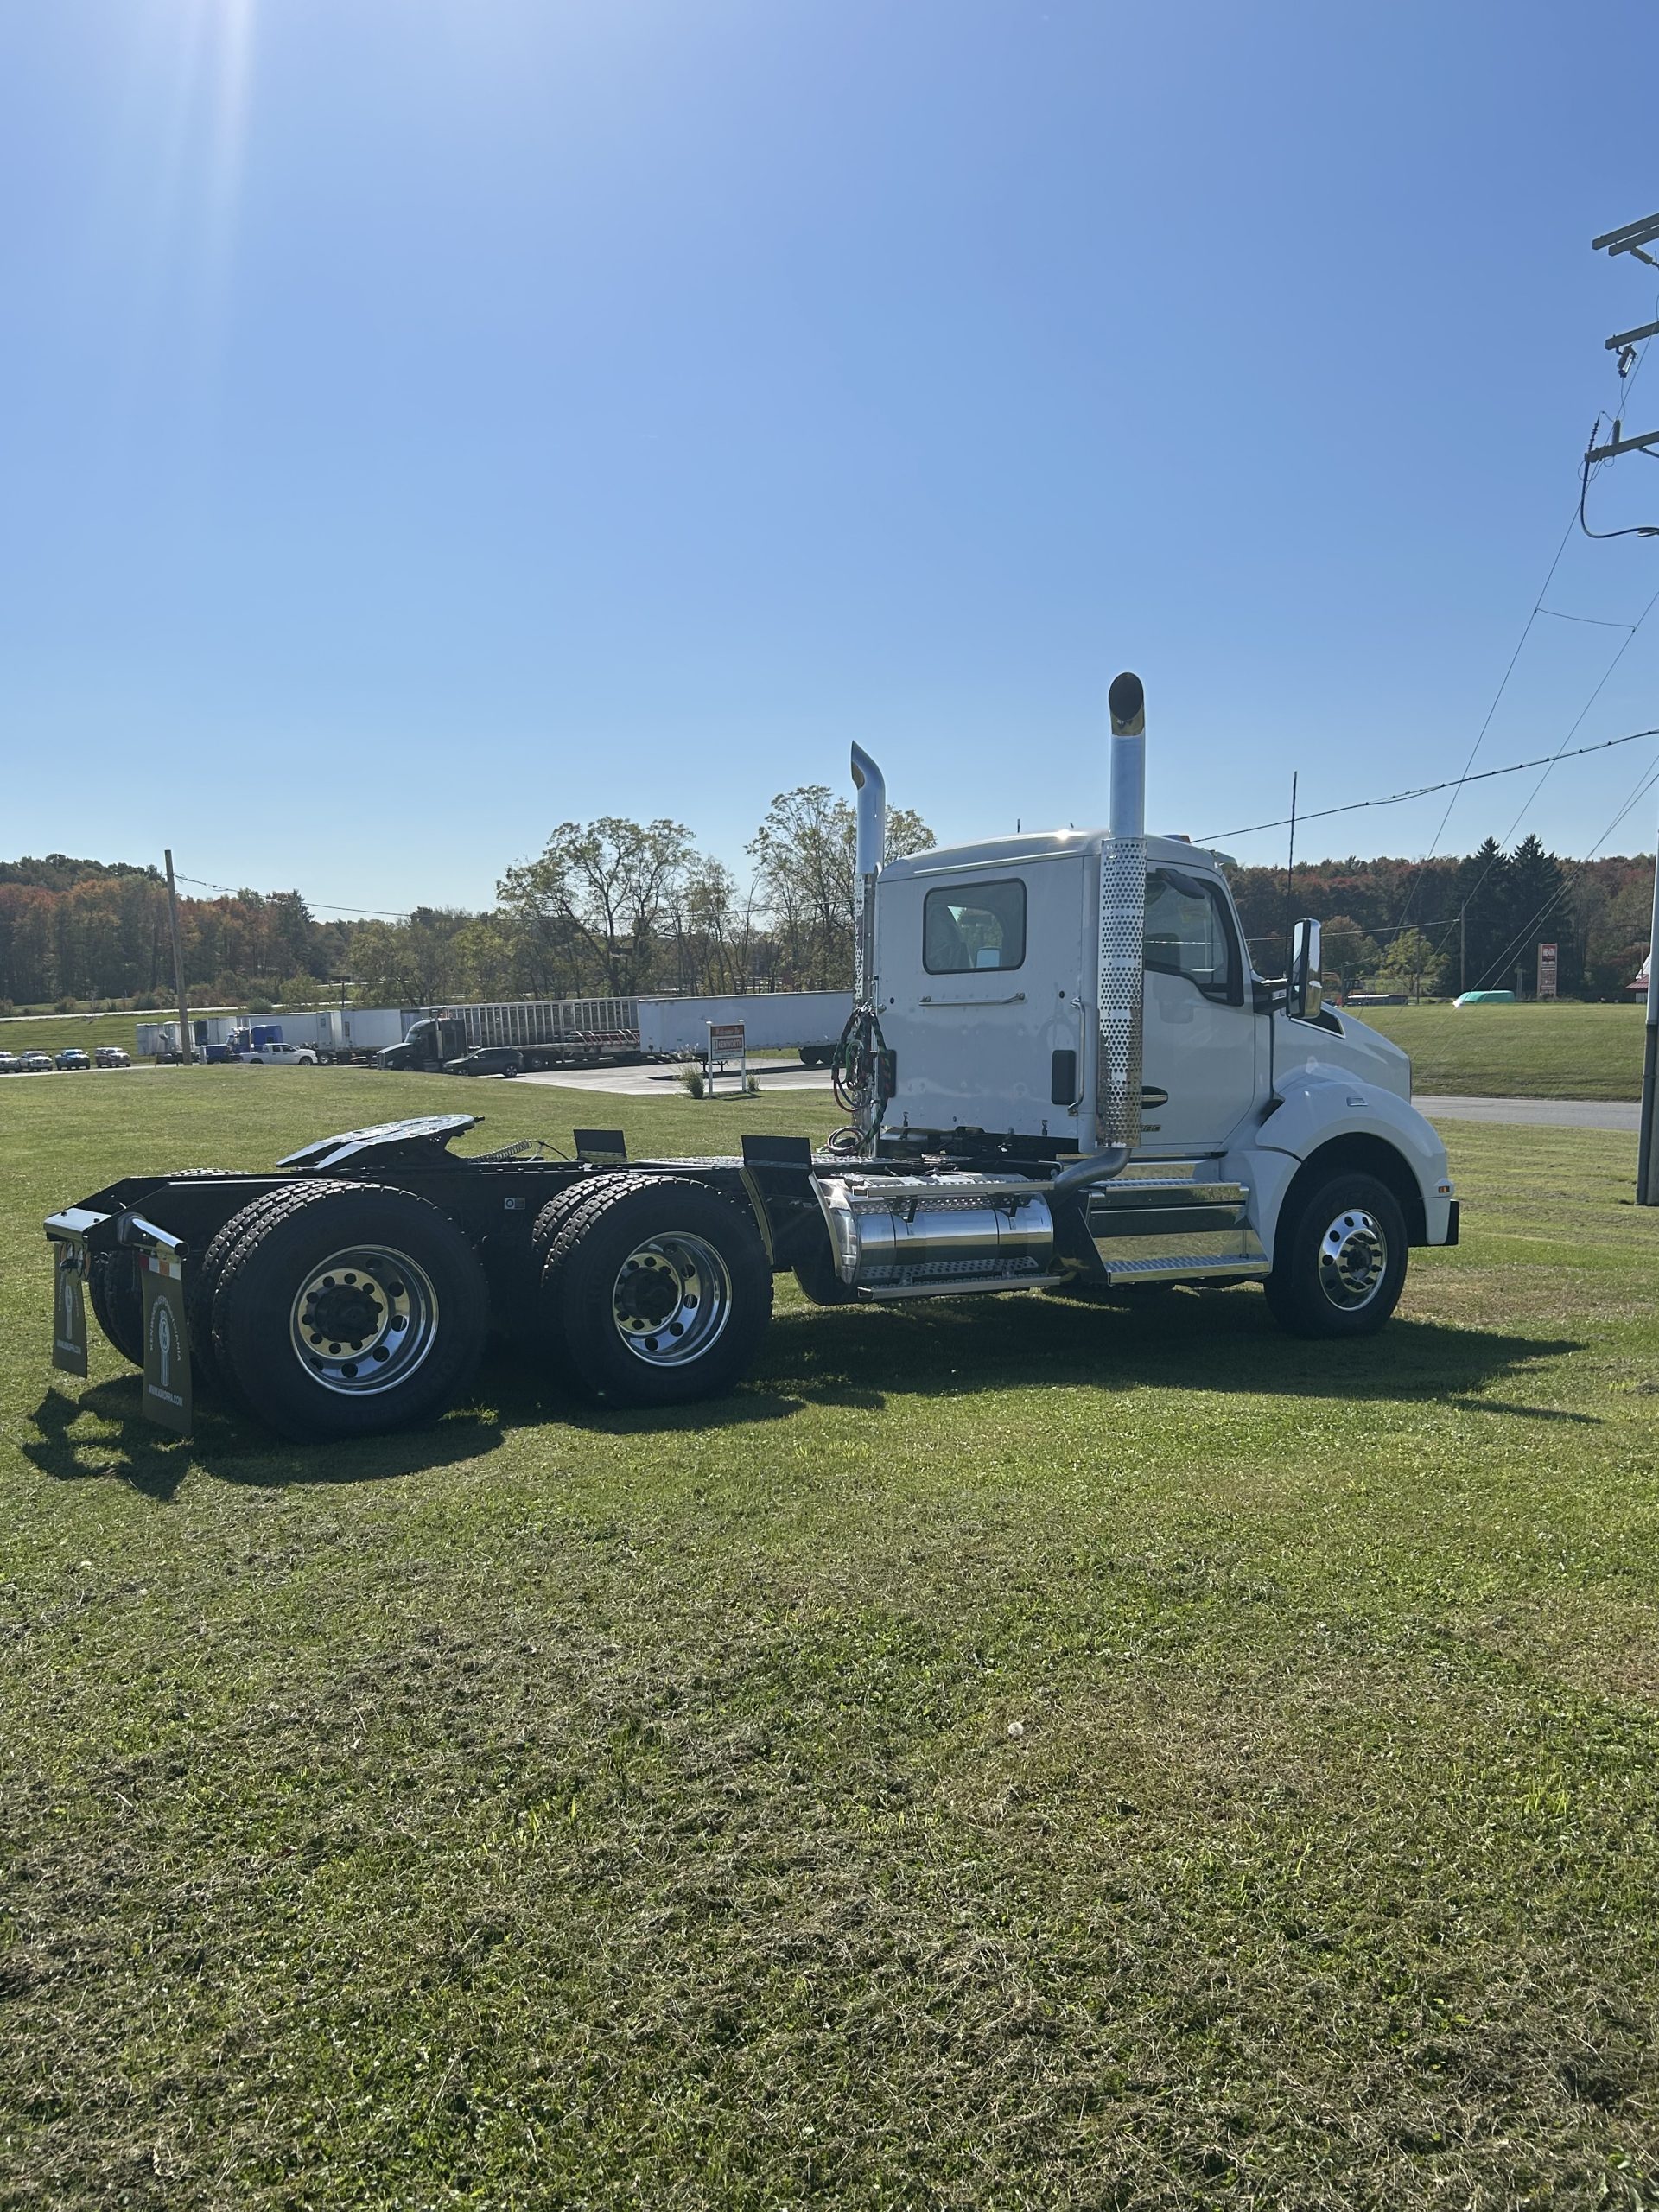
<point>1059,1072</point>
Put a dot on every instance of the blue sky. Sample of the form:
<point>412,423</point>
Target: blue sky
<point>426,419</point>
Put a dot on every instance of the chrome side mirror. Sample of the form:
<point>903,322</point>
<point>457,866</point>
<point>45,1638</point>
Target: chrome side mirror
<point>1307,992</point>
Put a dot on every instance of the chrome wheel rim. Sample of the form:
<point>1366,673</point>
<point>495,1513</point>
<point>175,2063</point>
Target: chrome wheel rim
<point>363,1320</point>
<point>1353,1260</point>
<point>672,1299</point>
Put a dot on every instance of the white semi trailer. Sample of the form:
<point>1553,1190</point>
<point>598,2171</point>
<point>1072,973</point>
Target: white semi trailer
<point>1059,1071</point>
<point>807,1022</point>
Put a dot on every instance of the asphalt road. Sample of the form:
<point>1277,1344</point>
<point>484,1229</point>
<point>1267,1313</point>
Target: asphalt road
<point>1537,1113</point>
<point>786,1075</point>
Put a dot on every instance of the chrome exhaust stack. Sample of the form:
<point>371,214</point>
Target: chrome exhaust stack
<point>1119,981</point>
<point>870,849</point>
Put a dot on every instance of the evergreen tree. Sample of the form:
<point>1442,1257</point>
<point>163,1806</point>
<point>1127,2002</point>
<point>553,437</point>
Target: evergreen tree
<point>1482,895</point>
<point>1538,910</point>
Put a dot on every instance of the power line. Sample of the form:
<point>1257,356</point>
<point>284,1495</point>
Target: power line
<point>1427,791</point>
<point>318,905</point>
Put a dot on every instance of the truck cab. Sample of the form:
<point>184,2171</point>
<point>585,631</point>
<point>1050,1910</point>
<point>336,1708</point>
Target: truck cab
<point>1048,998</point>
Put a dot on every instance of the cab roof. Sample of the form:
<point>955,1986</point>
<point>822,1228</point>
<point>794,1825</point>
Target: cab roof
<point>1046,845</point>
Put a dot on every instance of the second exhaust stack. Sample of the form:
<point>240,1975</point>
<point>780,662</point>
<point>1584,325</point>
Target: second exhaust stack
<point>1119,981</point>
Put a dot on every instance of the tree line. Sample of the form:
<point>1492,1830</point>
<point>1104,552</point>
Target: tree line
<point>617,906</point>
<point>1453,924</point>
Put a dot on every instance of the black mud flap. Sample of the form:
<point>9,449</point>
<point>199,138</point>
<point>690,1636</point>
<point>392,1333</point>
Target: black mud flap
<point>69,1306</point>
<point>167,1342</point>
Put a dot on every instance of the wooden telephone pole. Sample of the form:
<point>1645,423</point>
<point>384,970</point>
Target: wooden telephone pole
<point>1635,239</point>
<point>186,1050</point>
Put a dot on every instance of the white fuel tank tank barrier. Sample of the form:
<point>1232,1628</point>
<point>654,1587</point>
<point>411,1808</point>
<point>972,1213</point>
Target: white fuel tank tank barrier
<point>897,1233</point>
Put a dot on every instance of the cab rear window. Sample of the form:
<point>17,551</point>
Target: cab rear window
<point>968,928</point>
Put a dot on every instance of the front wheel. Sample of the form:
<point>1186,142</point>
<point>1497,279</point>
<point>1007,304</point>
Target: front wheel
<point>1339,1260</point>
<point>657,1291</point>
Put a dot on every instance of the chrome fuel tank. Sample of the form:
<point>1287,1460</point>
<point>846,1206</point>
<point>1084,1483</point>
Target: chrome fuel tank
<point>896,1235</point>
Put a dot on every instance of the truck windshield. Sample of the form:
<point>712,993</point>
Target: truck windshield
<point>1188,934</point>
<point>967,926</point>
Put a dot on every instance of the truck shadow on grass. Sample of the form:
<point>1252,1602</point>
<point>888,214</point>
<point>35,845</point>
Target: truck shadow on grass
<point>228,1446</point>
<point>1216,1341</point>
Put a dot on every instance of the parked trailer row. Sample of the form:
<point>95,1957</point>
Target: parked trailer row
<point>341,1034</point>
<point>1061,1073</point>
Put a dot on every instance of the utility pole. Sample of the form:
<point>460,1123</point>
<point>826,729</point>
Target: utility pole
<point>1647,1165</point>
<point>1635,239</point>
<point>185,1046</point>
<point>1462,948</point>
<point>1290,877</point>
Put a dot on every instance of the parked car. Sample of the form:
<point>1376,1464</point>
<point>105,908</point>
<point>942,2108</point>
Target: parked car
<point>277,1056</point>
<point>37,1064</point>
<point>487,1059</point>
<point>71,1060</point>
<point>9,1064</point>
<point>111,1055</point>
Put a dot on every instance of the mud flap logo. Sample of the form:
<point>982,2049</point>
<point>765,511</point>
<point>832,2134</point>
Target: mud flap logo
<point>69,1313</point>
<point>167,1343</point>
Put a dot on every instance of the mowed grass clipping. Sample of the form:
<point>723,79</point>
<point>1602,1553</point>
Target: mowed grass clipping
<point>1015,1752</point>
<point>1558,1051</point>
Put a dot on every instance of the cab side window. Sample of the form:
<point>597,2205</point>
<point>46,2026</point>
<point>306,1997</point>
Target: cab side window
<point>967,927</point>
<point>1190,932</point>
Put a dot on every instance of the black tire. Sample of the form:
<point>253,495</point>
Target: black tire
<point>814,1056</point>
<point>815,1271</point>
<point>656,1291</point>
<point>1339,1259</point>
<point>115,1285</point>
<point>116,1289</point>
<point>387,1270</point>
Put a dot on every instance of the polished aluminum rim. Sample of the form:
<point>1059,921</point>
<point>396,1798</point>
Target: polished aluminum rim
<point>1353,1260</point>
<point>672,1299</point>
<point>363,1320</point>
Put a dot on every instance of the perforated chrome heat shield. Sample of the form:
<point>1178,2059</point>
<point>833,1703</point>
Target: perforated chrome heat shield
<point>1122,933</point>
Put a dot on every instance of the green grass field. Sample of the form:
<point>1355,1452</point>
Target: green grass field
<point>1518,1051</point>
<point>1015,1753</point>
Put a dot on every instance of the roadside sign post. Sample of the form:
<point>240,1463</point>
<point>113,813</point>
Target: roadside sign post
<point>726,1044</point>
<point>1548,957</point>
<point>1647,1165</point>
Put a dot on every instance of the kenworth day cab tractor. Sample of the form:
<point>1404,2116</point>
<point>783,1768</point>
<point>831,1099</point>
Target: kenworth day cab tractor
<point>1059,1070</point>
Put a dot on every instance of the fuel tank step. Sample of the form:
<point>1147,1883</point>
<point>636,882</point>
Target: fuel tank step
<point>1173,1220</point>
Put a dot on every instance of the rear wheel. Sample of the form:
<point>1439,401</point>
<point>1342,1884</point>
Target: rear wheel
<point>115,1289</point>
<point>819,1278</point>
<point>657,1291</point>
<point>347,1310</point>
<point>1339,1263</point>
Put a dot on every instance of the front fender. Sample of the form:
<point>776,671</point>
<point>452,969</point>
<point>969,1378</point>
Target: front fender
<point>1319,1102</point>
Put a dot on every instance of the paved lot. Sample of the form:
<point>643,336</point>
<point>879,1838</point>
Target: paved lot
<point>1537,1113</point>
<point>662,1083</point>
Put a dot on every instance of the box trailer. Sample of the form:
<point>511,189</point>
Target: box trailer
<point>807,1022</point>
<point>1061,1073</point>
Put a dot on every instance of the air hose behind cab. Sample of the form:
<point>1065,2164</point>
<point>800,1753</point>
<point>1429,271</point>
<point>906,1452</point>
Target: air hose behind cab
<point>861,1071</point>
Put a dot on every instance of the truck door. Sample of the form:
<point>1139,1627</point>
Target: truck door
<point>979,969</point>
<point>1200,1035</point>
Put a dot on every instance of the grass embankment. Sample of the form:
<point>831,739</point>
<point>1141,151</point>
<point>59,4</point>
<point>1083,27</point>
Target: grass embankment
<point>1012,1753</point>
<point>1518,1051</point>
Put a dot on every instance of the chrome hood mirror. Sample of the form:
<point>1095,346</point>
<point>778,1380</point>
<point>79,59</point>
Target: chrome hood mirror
<point>1306,992</point>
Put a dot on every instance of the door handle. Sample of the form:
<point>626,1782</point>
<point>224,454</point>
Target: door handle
<point>1151,1096</point>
